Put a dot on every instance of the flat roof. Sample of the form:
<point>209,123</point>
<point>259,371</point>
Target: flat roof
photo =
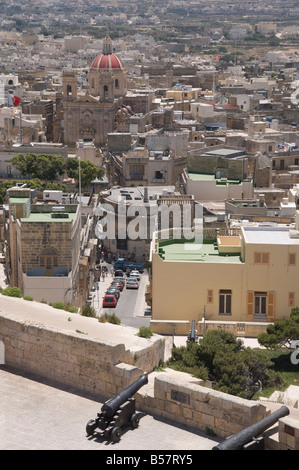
<point>46,217</point>
<point>271,235</point>
<point>195,252</point>
<point>211,177</point>
<point>137,193</point>
<point>19,200</point>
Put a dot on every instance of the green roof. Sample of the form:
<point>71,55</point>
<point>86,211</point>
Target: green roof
<point>19,200</point>
<point>47,217</point>
<point>207,252</point>
<point>211,177</point>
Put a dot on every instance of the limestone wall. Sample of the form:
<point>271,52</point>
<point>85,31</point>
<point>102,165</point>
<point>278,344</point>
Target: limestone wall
<point>84,354</point>
<point>181,398</point>
<point>177,327</point>
<point>288,432</point>
<point>102,359</point>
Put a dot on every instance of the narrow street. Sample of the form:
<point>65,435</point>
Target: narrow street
<point>131,308</point>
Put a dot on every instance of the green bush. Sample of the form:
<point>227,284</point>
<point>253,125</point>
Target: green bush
<point>12,292</point>
<point>71,309</point>
<point>145,332</point>
<point>88,311</point>
<point>59,305</point>
<point>28,297</point>
<point>109,318</point>
<point>223,359</point>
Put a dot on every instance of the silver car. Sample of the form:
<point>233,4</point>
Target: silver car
<point>132,283</point>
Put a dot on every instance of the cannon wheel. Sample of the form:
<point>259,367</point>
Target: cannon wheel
<point>134,420</point>
<point>115,434</point>
<point>90,427</point>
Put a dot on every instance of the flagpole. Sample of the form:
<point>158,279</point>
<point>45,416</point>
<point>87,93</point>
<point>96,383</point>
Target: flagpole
<point>21,129</point>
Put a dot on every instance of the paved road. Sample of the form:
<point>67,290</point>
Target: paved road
<point>131,308</point>
<point>36,415</point>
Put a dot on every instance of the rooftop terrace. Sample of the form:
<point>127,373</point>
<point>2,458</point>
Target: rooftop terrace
<point>211,177</point>
<point>187,251</point>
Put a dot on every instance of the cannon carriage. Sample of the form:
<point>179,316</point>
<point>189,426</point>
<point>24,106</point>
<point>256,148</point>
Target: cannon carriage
<point>117,412</point>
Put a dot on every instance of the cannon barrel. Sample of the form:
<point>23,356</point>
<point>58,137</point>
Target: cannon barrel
<point>111,406</point>
<point>192,333</point>
<point>239,440</point>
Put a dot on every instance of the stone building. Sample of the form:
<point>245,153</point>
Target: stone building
<point>43,247</point>
<point>90,115</point>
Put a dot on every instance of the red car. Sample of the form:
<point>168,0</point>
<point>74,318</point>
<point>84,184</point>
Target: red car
<point>118,284</point>
<point>109,300</point>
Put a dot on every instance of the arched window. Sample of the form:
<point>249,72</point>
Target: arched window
<point>69,89</point>
<point>116,83</point>
<point>48,258</point>
<point>105,91</point>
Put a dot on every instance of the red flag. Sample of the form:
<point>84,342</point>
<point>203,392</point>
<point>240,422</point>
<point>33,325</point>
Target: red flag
<point>16,100</point>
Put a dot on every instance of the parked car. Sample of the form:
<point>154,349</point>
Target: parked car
<point>109,300</point>
<point>113,291</point>
<point>132,283</point>
<point>135,274</point>
<point>119,273</point>
<point>120,279</point>
<point>118,284</point>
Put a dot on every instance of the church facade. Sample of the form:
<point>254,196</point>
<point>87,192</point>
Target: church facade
<point>91,116</point>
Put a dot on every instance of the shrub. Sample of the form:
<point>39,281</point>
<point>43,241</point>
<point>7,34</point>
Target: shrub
<point>28,297</point>
<point>145,332</point>
<point>88,311</point>
<point>71,309</point>
<point>109,318</point>
<point>59,305</point>
<point>12,292</point>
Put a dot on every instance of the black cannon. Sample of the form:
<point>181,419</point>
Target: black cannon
<point>192,334</point>
<point>116,412</point>
<point>245,439</point>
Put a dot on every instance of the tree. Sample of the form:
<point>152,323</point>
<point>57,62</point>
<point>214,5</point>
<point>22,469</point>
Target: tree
<point>43,166</point>
<point>88,171</point>
<point>224,360</point>
<point>282,332</point>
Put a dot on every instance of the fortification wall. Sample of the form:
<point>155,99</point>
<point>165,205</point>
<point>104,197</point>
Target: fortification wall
<point>102,359</point>
<point>70,349</point>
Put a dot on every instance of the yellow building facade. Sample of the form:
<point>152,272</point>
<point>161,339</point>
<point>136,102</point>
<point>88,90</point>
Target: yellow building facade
<point>251,277</point>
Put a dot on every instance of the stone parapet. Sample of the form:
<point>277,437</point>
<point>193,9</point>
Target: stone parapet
<point>183,399</point>
<point>288,433</point>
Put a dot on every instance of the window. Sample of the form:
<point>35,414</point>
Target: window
<point>260,303</point>
<point>210,296</point>
<point>48,258</point>
<point>261,258</point>
<point>291,301</point>
<point>292,259</point>
<point>225,302</point>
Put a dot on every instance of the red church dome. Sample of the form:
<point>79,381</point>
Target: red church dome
<point>107,60</point>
